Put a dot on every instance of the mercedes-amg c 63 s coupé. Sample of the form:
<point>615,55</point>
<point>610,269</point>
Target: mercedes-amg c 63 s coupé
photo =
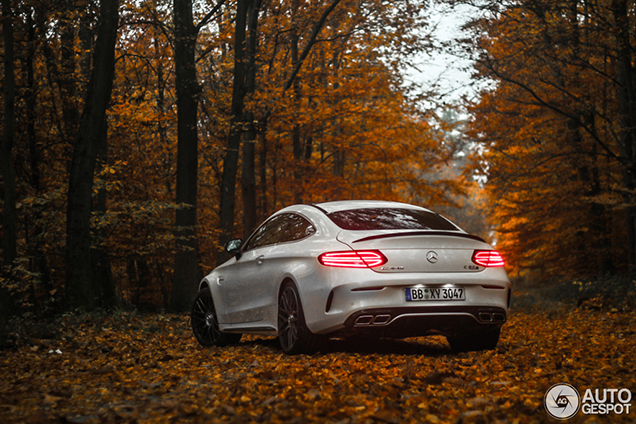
<point>355,268</point>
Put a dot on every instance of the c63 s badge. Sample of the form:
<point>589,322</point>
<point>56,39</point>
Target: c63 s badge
<point>391,268</point>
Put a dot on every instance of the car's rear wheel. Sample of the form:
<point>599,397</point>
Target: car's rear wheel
<point>205,325</point>
<point>293,334</point>
<point>474,341</point>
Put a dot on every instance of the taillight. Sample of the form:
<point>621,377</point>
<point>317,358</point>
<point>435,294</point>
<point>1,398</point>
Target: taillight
<point>488,258</point>
<point>353,259</point>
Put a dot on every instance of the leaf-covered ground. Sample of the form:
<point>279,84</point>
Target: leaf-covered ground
<point>148,368</point>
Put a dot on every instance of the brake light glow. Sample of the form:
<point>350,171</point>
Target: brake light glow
<point>488,258</point>
<point>353,259</point>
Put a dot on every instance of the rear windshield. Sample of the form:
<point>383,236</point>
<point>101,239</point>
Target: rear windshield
<point>390,219</point>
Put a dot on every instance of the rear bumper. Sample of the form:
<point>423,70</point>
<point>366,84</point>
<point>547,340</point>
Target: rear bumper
<point>423,320</point>
<point>334,301</point>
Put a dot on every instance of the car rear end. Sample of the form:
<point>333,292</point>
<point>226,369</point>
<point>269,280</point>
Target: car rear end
<point>412,282</point>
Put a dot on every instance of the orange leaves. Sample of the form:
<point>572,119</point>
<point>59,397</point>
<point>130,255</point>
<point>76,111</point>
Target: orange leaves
<point>132,368</point>
<point>360,134</point>
<point>548,137</point>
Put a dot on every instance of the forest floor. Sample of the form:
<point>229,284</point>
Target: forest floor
<point>131,367</point>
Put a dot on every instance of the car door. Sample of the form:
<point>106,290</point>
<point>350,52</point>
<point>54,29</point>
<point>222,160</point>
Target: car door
<point>283,259</point>
<point>244,287</point>
<point>252,294</point>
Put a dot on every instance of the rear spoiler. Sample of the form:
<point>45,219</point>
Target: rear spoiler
<point>423,233</point>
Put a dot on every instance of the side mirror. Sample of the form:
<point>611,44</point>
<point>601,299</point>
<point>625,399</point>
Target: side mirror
<point>234,246</point>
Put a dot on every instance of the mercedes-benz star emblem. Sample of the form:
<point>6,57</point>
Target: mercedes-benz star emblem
<point>431,257</point>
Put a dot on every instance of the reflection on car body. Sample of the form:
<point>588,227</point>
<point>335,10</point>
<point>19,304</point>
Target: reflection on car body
<point>349,268</point>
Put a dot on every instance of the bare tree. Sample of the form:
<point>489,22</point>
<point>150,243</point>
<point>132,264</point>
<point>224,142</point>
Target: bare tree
<point>9,219</point>
<point>243,84</point>
<point>80,289</point>
<point>187,272</point>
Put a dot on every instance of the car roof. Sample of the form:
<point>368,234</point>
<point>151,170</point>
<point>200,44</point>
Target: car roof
<point>342,205</point>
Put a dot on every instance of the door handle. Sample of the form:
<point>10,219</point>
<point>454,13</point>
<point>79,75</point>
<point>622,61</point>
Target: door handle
<point>260,259</point>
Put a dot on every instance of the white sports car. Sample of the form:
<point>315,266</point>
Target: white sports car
<point>349,268</point>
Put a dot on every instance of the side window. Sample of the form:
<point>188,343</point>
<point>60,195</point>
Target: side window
<point>297,228</point>
<point>281,229</point>
<point>268,233</point>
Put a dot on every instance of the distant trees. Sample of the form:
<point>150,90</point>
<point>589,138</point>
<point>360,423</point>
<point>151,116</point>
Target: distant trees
<point>132,151</point>
<point>112,204</point>
<point>557,131</point>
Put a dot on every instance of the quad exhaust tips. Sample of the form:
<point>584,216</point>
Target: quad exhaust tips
<point>382,319</point>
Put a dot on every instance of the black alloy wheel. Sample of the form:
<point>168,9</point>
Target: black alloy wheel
<point>293,334</point>
<point>205,325</point>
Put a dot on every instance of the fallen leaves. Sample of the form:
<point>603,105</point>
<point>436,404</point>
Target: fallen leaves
<point>136,368</point>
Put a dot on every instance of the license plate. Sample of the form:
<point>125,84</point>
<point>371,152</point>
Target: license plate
<point>414,294</point>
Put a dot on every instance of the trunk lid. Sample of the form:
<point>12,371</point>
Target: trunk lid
<point>419,251</point>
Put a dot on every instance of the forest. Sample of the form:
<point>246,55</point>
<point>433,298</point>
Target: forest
<point>139,136</point>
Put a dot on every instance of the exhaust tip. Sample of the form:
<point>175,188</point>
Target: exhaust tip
<point>381,319</point>
<point>485,316</point>
<point>364,320</point>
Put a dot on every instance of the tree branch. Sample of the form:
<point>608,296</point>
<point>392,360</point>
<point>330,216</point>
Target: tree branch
<point>312,41</point>
<point>209,16</point>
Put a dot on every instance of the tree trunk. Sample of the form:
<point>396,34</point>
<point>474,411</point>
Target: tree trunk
<point>103,283</point>
<point>187,273</point>
<point>9,216</point>
<point>296,147</point>
<point>80,291</point>
<point>248,176</point>
<point>35,157</point>
<point>230,163</point>
<point>68,78</point>
<point>626,93</point>
<point>186,270</point>
<point>85,40</point>
<point>587,169</point>
<point>239,90</point>
<point>30,102</point>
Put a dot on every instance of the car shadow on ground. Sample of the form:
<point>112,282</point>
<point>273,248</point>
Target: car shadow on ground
<point>411,346</point>
<point>429,346</point>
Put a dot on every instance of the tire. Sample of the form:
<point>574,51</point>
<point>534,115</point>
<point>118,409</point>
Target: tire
<point>293,335</point>
<point>205,325</point>
<point>475,341</point>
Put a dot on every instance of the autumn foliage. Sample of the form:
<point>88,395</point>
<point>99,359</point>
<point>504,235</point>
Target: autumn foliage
<point>548,156</point>
<point>148,368</point>
<point>555,129</point>
<point>550,136</point>
<point>344,126</point>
